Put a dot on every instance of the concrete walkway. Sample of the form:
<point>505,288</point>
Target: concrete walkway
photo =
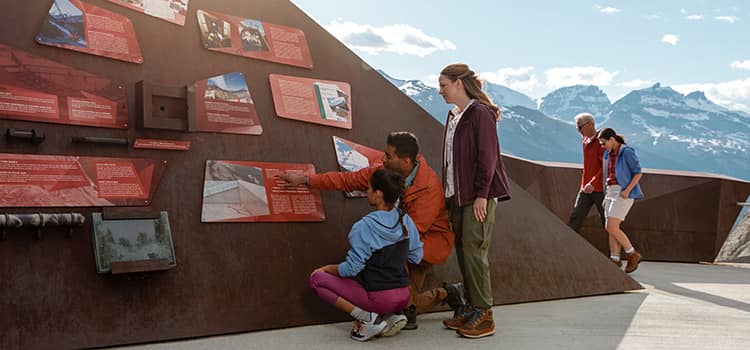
<point>684,306</point>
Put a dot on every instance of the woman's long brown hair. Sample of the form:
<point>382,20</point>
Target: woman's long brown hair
<point>471,82</point>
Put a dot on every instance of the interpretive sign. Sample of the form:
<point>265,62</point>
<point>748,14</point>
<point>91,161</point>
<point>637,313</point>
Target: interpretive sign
<point>254,39</point>
<point>312,100</point>
<point>30,180</point>
<point>353,157</point>
<point>40,90</point>
<point>79,26</point>
<point>169,10</point>
<point>239,191</point>
<point>172,145</point>
<point>224,104</point>
<point>139,244</point>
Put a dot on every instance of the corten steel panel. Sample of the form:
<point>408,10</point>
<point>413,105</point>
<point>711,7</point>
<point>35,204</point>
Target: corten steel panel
<point>235,277</point>
<point>684,217</point>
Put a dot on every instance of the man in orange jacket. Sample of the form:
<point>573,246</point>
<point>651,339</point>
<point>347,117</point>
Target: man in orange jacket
<point>424,202</point>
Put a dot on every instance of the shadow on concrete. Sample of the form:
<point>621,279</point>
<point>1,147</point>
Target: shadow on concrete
<point>672,279</point>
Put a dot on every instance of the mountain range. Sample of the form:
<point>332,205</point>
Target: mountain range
<point>669,130</point>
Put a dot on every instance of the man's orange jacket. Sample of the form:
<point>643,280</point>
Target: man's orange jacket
<point>424,201</point>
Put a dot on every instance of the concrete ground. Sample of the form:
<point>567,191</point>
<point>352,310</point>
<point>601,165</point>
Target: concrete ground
<point>684,306</point>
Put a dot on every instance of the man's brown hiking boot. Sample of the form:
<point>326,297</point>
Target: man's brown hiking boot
<point>460,316</point>
<point>479,325</point>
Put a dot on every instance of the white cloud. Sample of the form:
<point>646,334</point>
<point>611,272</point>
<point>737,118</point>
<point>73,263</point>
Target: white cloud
<point>608,10</point>
<point>566,76</point>
<point>652,17</point>
<point>515,78</point>
<point>695,17</point>
<point>636,83</point>
<point>733,94</point>
<point>741,65</point>
<point>728,19</point>
<point>402,39</point>
<point>670,39</point>
<point>431,80</point>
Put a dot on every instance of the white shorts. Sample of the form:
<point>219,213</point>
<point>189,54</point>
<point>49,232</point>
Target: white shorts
<point>614,205</point>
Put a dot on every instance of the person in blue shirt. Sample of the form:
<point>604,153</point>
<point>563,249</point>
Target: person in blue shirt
<point>372,284</point>
<point>622,172</point>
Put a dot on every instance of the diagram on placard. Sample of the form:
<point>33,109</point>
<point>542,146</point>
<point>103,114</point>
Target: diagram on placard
<point>39,90</point>
<point>332,102</point>
<point>30,180</point>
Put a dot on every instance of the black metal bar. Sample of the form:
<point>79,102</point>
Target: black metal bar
<point>32,136</point>
<point>114,141</point>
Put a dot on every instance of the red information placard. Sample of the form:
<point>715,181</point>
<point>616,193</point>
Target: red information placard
<point>172,145</point>
<point>36,89</point>
<point>173,11</point>
<point>29,180</point>
<point>240,191</point>
<point>79,26</point>
<point>312,100</point>
<point>352,156</point>
<point>224,104</point>
<point>254,39</point>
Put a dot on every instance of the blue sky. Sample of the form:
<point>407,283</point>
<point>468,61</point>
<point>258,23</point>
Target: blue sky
<point>536,47</point>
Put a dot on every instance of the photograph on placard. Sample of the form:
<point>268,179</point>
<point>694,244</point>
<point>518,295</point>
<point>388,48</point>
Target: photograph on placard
<point>230,87</point>
<point>354,157</point>
<point>173,11</point>
<point>80,26</point>
<point>253,36</point>
<point>348,158</point>
<point>136,3</point>
<point>216,33</point>
<point>233,191</point>
<point>64,25</point>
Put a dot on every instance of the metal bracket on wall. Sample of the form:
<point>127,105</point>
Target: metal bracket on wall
<point>113,141</point>
<point>164,107</point>
<point>32,136</point>
<point>41,220</point>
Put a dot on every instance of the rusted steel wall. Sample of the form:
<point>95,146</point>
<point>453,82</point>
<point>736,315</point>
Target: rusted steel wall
<point>236,277</point>
<point>685,217</point>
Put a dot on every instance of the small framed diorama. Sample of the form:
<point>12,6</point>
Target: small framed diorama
<point>132,243</point>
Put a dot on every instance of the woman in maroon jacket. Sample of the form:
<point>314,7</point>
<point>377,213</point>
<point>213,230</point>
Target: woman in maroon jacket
<point>475,180</point>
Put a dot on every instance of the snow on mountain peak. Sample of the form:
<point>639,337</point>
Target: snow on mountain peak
<point>669,129</point>
<point>565,103</point>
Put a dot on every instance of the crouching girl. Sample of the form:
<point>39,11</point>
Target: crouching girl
<point>372,285</point>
